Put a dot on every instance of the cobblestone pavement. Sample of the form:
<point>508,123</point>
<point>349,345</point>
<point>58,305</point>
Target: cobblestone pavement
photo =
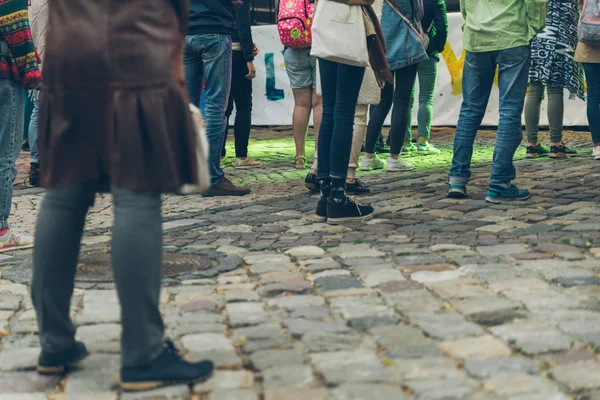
<point>433,299</point>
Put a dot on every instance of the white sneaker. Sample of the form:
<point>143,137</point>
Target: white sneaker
<point>398,165</point>
<point>368,164</point>
<point>426,149</point>
<point>596,153</point>
<point>13,239</point>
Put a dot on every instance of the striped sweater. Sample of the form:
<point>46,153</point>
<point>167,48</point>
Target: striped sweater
<point>22,61</point>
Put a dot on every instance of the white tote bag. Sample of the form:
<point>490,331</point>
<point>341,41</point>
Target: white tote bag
<point>201,156</point>
<point>339,34</point>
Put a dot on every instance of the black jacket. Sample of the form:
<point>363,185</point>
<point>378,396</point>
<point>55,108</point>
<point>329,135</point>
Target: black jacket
<point>243,33</point>
<point>435,18</point>
<point>210,17</point>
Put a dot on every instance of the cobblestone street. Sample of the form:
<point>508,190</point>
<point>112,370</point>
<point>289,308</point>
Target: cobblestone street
<point>433,299</point>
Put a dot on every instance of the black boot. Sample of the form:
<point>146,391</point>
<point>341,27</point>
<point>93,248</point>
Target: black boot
<point>341,209</point>
<point>58,363</point>
<point>325,185</point>
<point>33,179</point>
<point>167,369</point>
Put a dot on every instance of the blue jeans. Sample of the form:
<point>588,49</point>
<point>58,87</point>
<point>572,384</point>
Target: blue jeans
<point>427,74</point>
<point>207,60</point>
<point>478,79</point>
<point>33,131</point>
<point>340,85</point>
<point>12,120</point>
<point>592,76</point>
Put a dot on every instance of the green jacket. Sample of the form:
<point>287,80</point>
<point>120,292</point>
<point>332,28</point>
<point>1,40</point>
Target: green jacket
<point>492,25</point>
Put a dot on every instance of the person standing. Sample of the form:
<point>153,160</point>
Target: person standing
<point>341,84</point>
<point>38,15</point>
<point>399,22</point>
<point>435,22</point>
<point>553,68</point>
<point>114,115</point>
<point>208,57</point>
<point>243,72</point>
<point>301,68</point>
<point>496,37</point>
<point>589,55</point>
<point>19,70</point>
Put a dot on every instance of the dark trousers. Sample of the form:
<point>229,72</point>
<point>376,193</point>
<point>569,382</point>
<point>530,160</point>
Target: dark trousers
<point>340,85</point>
<point>241,96</point>
<point>592,76</point>
<point>136,262</point>
<point>400,99</point>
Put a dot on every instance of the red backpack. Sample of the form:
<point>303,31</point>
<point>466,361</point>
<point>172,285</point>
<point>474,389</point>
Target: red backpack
<point>294,22</point>
<point>589,22</point>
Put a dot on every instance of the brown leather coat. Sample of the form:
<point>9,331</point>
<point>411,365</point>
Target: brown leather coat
<point>114,103</point>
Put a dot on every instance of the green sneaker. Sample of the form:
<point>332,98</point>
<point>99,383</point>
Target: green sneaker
<point>499,195</point>
<point>409,148</point>
<point>537,151</point>
<point>571,152</point>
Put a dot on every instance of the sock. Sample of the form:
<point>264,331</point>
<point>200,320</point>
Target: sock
<point>338,190</point>
<point>325,185</point>
<point>3,231</point>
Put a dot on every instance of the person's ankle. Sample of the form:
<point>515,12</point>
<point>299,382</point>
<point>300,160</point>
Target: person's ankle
<point>394,156</point>
<point>422,140</point>
<point>555,144</point>
<point>350,180</point>
<point>532,144</point>
<point>313,171</point>
<point>369,155</point>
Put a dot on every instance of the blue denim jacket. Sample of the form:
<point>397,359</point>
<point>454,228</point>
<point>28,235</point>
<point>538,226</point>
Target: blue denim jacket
<point>404,47</point>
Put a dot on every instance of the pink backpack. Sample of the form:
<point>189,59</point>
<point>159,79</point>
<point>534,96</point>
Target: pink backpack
<point>294,22</point>
<point>589,23</point>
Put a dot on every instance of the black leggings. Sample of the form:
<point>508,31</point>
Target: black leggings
<point>400,97</point>
<point>592,75</point>
<point>241,95</point>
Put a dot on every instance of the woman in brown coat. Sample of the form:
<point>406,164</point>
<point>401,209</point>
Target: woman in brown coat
<point>114,115</point>
<point>589,55</point>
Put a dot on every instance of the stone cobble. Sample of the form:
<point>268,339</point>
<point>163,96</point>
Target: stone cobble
<point>432,299</point>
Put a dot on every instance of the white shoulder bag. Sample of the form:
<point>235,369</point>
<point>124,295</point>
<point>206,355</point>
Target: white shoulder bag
<point>201,156</point>
<point>338,34</point>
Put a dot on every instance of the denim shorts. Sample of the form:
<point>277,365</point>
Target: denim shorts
<point>301,68</point>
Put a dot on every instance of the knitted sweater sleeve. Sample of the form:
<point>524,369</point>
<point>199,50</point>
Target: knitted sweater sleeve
<point>15,30</point>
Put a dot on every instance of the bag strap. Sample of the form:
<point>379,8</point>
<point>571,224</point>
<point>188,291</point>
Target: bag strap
<point>410,25</point>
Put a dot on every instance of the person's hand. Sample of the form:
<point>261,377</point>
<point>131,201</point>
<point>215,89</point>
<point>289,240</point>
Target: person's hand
<point>255,50</point>
<point>251,70</point>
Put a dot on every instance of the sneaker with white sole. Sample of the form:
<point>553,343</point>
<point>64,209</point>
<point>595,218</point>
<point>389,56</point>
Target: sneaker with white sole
<point>13,239</point>
<point>368,164</point>
<point>398,165</point>
<point>426,149</point>
<point>596,153</point>
<point>246,163</point>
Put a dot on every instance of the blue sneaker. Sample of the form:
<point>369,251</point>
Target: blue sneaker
<point>498,195</point>
<point>457,191</point>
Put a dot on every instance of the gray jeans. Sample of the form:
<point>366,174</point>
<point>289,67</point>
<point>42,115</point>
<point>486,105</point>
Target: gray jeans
<point>556,107</point>
<point>136,261</point>
<point>12,115</point>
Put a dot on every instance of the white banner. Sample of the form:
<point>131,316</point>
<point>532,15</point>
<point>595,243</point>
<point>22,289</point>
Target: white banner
<point>274,102</point>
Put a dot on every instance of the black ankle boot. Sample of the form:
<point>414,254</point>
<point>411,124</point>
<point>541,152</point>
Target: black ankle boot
<point>325,186</point>
<point>167,369</point>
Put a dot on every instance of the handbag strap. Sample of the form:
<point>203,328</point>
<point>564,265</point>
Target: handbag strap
<point>410,25</point>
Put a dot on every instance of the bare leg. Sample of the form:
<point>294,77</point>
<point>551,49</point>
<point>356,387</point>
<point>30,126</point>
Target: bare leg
<point>300,118</point>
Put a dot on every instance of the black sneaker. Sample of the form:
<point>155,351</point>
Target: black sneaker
<point>537,151</point>
<point>322,209</point>
<point>558,151</point>
<point>33,180</point>
<point>59,363</point>
<point>348,211</point>
<point>357,188</point>
<point>311,182</point>
<point>167,369</point>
